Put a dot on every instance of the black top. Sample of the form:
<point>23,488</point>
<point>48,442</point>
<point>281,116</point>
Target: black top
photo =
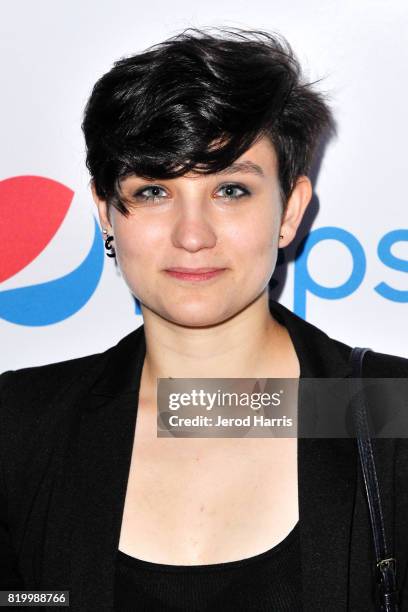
<point>66,440</point>
<point>268,582</point>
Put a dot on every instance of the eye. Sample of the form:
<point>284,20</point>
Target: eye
<point>230,191</point>
<point>154,193</point>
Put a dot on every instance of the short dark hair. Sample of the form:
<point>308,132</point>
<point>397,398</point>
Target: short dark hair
<point>157,113</point>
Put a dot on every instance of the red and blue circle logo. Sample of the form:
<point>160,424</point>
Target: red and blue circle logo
<point>33,208</point>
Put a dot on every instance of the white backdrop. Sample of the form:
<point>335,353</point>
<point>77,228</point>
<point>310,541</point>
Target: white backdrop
<point>51,55</point>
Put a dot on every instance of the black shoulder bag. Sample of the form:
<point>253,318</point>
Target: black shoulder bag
<point>385,562</point>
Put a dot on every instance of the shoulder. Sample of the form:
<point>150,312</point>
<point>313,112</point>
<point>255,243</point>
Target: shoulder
<point>38,401</point>
<point>385,365</point>
<point>377,364</point>
<point>328,355</point>
<point>48,378</point>
<point>34,388</point>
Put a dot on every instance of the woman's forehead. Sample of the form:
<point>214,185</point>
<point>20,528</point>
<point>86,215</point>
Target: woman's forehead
<point>259,160</point>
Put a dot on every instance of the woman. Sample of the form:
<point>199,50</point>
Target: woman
<point>199,150</point>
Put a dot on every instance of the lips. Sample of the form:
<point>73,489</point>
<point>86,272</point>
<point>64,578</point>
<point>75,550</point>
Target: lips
<point>194,270</point>
<point>194,274</point>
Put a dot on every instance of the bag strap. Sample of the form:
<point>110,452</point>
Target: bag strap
<point>385,563</point>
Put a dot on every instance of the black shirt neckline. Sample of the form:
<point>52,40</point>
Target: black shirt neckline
<point>135,562</point>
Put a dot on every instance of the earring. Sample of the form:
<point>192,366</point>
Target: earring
<point>108,245</point>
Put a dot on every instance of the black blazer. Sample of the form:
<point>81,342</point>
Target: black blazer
<point>66,436</point>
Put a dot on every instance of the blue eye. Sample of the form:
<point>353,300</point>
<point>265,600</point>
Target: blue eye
<point>154,189</point>
<point>231,189</point>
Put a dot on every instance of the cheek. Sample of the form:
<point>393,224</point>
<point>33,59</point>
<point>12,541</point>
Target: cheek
<point>138,255</point>
<point>137,243</point>
<point>255,236</point>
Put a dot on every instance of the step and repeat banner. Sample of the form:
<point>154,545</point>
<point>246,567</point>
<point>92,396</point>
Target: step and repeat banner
<point>61,297</point>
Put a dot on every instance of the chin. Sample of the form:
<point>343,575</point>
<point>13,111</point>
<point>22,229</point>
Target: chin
<point>202,317</point>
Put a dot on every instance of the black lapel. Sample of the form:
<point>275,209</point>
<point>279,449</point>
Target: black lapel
<point>108,421</point>
<point>327,478</point>
<point>327,474</point>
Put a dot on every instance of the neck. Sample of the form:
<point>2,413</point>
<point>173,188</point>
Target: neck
<point>251,344</point>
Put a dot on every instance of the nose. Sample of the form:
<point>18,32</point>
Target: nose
<point>194,228</point>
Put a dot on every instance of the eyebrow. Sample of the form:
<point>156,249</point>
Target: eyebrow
<point>243,166</point>
<point>246,166</point>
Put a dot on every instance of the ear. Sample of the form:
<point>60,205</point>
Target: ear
<point>103,210</point>
<point>295,209</point>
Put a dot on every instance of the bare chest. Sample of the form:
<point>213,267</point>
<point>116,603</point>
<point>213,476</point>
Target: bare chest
<point>200,501</point>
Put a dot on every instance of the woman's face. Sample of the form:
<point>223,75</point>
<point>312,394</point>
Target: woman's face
<point>229,220</point>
